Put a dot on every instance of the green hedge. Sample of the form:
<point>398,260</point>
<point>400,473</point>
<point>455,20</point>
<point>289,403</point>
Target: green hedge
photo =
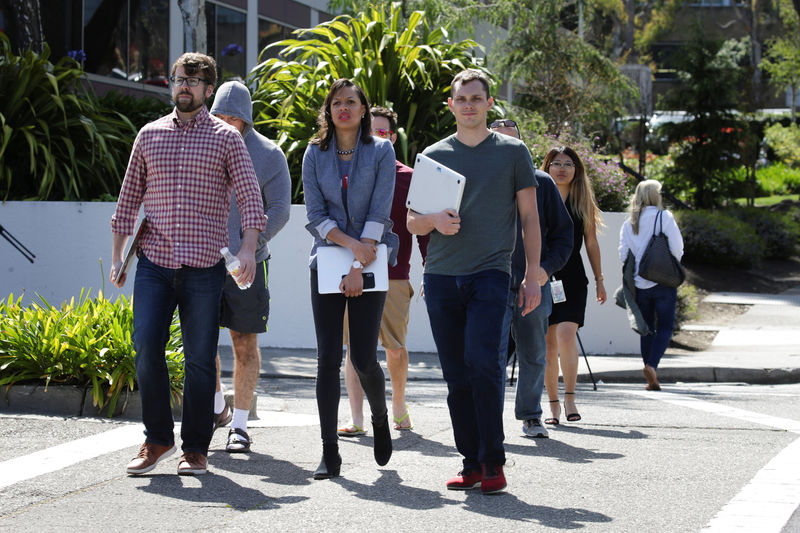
<point>716,238</point>
<point>86,343</point>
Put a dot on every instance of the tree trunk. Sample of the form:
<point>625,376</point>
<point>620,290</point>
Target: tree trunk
<point>27,25</point>
<point>195,38</point>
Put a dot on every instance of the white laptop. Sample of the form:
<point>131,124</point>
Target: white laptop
<point>434,187</point>
<point>334,262</point>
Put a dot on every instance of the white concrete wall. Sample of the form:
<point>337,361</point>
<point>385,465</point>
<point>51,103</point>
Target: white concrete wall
<point>70,240</point>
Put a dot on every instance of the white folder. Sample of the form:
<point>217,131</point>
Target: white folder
<point>434,187</point>
<point>334,262</point>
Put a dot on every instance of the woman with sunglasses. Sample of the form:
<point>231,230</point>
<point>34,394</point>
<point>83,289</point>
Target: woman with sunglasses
<point>348,182</point>
<point>567,170</point>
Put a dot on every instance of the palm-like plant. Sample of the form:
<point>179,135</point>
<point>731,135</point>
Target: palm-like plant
<point>401,64</point>
<point>56,141</point>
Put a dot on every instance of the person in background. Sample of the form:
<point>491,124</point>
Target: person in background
<point>656,302</point>
<point>394,323</point>
<point>467,275</point>
<point>528,332</point>
<point>348,180</point>
<point>182,168</point>
<point>245,312</point>
<point>567,170</point>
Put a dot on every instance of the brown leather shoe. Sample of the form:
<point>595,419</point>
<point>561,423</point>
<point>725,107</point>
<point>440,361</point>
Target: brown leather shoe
<point>224,418</point>
<point>149,456</point>
<point>193,464</point>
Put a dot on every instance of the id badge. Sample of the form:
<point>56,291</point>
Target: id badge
<point>557,290</point>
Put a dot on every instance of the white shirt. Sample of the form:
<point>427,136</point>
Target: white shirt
<point>638,243</point>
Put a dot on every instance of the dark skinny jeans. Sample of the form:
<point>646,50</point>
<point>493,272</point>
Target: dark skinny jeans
<point>657,305</point>
<point>364,314</point>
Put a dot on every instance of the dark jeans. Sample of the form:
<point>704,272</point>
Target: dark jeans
<point>364,314</point>
<point>196,293</point>
<point>466,314</point>
<point>529,338</point>
<point>657,305</point>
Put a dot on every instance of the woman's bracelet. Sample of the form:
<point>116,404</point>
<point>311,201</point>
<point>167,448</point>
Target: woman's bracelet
<point>599,278</point>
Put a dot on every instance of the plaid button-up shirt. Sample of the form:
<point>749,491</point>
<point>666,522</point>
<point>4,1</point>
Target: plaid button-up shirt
<point>183,174</point>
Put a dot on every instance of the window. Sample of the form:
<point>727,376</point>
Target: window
<point>270,32</point>
<point>125,39</point>
<point>226,40</point>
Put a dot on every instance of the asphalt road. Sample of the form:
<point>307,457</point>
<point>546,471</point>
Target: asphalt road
<point>695,458</point>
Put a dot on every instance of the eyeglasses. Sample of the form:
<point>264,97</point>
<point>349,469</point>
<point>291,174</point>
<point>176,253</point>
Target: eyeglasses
<point>191,82</point>
<point>383,133</point>
<point>566,164</point>
<point>505,123</point>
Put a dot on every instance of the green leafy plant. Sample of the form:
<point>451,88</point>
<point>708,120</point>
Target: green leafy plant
<point>686,307</point>
<point>778,232</point>
<point>57,142</point>
<point>785,143</point>
<point>86,343</point>
<point>401,63</point>
<point>139,110</point>
<point>716,238</point>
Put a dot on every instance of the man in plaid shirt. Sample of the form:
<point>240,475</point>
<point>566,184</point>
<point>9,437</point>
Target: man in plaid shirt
<point>182,169</point>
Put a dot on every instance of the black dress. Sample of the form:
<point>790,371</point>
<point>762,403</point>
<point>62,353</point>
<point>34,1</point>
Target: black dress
<point>574,278</point>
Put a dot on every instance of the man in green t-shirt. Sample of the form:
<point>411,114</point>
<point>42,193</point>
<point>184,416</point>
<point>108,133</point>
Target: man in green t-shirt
<point>467,274</point>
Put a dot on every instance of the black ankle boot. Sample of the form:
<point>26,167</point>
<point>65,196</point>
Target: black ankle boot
<point>330,464</point>
<point>382,446</point>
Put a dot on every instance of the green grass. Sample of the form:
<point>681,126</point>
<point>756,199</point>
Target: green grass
<point>769,200</point>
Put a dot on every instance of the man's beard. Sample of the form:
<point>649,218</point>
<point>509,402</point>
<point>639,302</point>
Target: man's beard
<point>188,107</point>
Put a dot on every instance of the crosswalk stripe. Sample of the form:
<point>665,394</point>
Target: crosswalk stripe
<point>69,453</point>
<point>768,501</point>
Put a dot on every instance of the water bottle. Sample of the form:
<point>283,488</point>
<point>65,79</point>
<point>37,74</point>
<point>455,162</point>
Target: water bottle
<point>232,264</point>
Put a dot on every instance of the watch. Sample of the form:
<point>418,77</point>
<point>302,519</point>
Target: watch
<point>357,264</point>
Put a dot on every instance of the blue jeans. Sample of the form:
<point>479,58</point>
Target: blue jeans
<point>466,315</point>
<point>657,305</point>
<point>196,293</point>
<point>529,337</point>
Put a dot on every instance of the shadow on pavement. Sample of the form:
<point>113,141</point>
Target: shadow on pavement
<point>389,488</point>
<point>509,507</point>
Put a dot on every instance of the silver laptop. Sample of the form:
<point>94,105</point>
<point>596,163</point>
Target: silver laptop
<point>333,263</point>
<point>434,187</point>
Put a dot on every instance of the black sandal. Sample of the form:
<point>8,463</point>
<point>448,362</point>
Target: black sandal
<point>552,420</point>
<point>571,417</point>
<point>235,444</point>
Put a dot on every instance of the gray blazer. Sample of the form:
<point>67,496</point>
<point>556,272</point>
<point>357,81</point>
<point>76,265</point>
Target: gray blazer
<point>370,191</point>
<point>625,296</point>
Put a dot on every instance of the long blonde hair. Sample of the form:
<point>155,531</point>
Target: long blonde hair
<point>580,197</point>
<point>648,193</point>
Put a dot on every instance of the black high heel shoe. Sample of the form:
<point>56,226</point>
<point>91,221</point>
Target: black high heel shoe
<point>382,444</point>
<point>571,417</point>
<point>553,420</point>
<point>331,463</point>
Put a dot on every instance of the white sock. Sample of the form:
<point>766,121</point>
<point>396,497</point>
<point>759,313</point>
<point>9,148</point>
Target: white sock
<point>240,419</point>
<point>219,402</point>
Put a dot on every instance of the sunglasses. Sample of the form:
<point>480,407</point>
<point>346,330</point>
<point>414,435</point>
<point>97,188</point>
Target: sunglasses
<point>505,123</point>
<point>383,133</point>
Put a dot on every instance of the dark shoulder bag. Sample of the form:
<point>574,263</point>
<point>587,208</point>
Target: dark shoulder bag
<point>658,264</point>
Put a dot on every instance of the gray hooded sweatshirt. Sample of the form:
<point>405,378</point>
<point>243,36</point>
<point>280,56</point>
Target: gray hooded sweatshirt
<point>272,171</point>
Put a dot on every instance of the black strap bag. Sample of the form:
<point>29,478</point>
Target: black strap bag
<point>658,264</point>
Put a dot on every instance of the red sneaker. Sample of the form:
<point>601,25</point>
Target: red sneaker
<point>465,480</point>
<point>493,480</point>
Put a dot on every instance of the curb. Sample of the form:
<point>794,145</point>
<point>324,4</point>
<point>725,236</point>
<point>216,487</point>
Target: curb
<point>750,376</point>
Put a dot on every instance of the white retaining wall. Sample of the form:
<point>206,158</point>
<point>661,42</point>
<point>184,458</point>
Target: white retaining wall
<point>71,238</point>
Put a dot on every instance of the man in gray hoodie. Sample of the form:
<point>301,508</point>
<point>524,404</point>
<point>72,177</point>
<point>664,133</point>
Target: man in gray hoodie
<point>245,312</point>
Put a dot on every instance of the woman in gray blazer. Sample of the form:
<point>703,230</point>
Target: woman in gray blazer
<point>348,182</point>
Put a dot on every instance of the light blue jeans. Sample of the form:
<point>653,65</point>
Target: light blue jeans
<point>529,336</point>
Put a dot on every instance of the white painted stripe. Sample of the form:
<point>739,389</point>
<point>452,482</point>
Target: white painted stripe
<point>768,501</point>
<point>69,453</point>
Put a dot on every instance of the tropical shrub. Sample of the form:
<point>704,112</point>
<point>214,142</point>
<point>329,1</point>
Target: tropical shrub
<point>405,65</point>
<point>86,343</point>
<point>716,238</point>
<point>777,231</point>
<point>57,142</point>
<point>784,142</point>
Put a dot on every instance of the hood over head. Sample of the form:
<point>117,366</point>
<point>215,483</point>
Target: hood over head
<point>233,98</point>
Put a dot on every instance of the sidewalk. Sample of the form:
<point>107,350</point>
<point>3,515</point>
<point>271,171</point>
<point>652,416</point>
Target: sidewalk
<point>760,346</point>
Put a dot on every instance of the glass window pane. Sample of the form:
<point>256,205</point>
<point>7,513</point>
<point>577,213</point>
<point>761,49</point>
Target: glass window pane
<point>226,40</point>
<point>105,37</point>
<point>270,32</point>
<point>62,23</point>
<point>149,48</point>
